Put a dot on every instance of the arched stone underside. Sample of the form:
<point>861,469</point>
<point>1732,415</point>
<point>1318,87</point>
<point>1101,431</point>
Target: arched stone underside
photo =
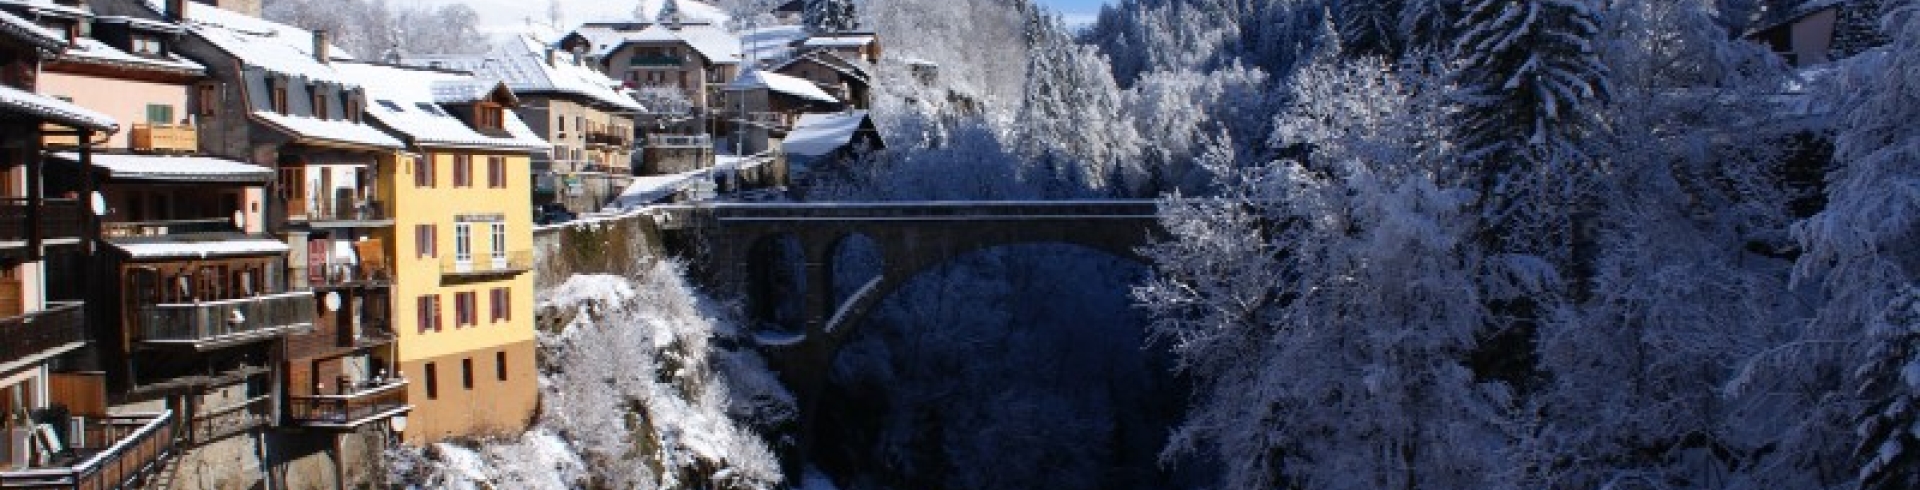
<point>911,237</point>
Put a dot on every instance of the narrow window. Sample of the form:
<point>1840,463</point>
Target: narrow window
<point>319,101</point>
<point>159,114</point>
<point>423,241</point>
<point>497,172</point>
<point>463,171</point>
<point>500,365</point>
<point>466,373</point>
<point>433,382</point>
<point>464,310</point>
<point>280,98</point>
<point>209,99</point>
<point>499,239</point>
<point>429,315</point>
<point>463,242</point>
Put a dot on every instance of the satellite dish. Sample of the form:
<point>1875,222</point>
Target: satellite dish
<point>240,219</point>
<point>99,203</point>
<point>398,423</point>
<point>333,301</point>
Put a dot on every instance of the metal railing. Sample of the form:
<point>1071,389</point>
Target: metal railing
<point>344,275</point>
<point>487,264</point>
<point>127,229</point>
<point>171,138</point>
<point>679,141</point>
<point>211,321</point>
<point>32,333</point>
<point>59,218</point>
<point>357,210</point>
<point>609,139</point>
<point>105,453</point>
<point>368,400</point>
<point>656,61</point>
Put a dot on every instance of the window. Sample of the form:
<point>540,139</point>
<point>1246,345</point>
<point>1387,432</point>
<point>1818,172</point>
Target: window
<point>429,108</point>
<point>425,241</point>
<point>433,382</point>
<point>463,243</point>
<point>356,105</point>
<point>500,365</point>
<point>423,171</point>
<point>146,45</point>
<point>465,314</point>
<point>209,99</point>
<point>497,172</point>
<point>463,171</point>
<point>563,123</point>
<point>499,245</point>
<point>319,101</point>
<point>501,302</point>
<point>466,373</point>
<point>280,98</point>
<point>159,114</point>
<point>428,318</point>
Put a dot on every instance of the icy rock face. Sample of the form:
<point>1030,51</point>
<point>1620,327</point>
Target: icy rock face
<point>638,390</point>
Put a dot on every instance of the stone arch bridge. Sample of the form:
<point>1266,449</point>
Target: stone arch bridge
<point>725,244</point>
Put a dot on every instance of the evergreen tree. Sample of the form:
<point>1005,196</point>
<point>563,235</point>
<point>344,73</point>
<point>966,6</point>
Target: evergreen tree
<point>827,16</point>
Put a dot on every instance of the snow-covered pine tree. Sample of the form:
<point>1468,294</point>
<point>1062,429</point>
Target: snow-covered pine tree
<point>1860,247</point>
<point>669,13</point>
<point>827,16</point>
<point>1528,72</point>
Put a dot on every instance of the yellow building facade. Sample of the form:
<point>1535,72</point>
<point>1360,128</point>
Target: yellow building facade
<point>461,249</point>
<point>463,292</point>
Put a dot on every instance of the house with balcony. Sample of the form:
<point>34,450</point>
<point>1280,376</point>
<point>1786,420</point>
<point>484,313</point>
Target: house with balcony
<point>586,118</point>
<point>679,66</point>
<point>121,66</point>
<point>463,248</point>
<point>766,105</point>
<point>56,429</point>
<point>847,80</point>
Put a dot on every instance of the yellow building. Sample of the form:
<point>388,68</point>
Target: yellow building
<point>462,246</point>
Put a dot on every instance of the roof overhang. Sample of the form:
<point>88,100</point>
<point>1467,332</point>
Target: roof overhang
<point>173,169</point>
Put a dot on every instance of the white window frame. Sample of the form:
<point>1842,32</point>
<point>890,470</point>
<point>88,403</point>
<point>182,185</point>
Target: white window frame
<point>463,247</point>
<point>499,245</point>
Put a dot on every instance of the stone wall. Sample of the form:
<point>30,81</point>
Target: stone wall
<point>622,245</point>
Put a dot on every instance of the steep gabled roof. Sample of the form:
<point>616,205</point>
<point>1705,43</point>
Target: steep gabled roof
<point>797,87</point>
<point>522,65</point>
<point>260,43</point>
<point>407,101</point>
<point>712,42</point>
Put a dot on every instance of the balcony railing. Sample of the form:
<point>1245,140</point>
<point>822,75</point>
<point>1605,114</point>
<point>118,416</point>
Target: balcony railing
<point>775,120</point>
<point>342,275</point>
<point>99,453</point>
<point>487,265</point>
<point>59,219</point>
<point>128,229</point>
<point>362,211</point>
<point>609,139</point>
<point>656,61</point>
<point>374,400</point>
<point>42,331</point>
<point>165,138</point>
<point>217,324</point>
<point>679,141</point>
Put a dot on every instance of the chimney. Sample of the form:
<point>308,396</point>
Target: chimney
<point>176,10</point>
<point>553,58</point>
<point>321,44</point>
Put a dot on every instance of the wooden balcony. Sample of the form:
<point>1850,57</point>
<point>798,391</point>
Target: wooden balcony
<point>487,266</point>
<point>41,334</point>
<point>611,139</point>
<point>164,138</point>
<point>94,453</point>
<point>367,402</point>
<point>60,222</point>
<point>217,324</point>
<point>128,229</point>
<point>345,213</point>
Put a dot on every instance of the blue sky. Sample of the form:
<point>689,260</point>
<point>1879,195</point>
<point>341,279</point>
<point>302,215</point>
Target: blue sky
<point>1076,12</point>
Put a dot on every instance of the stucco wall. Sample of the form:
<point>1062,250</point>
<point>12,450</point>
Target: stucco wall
<point>125,100</point>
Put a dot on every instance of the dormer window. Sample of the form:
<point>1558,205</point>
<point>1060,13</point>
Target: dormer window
<point>488,116</point>
<point>319,102</point>
<point>356,106</point>
<point>147,46</point>
<point>280,97</point>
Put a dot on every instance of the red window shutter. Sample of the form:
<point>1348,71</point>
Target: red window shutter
<point>436,313</point>
<point>506,304</point>
<point>425,304</point>
<point>433,240</point>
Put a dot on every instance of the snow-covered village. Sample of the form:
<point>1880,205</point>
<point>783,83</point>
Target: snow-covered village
<point>959,244</point>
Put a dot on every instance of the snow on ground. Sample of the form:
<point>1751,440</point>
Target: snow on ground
<point>637,392</point>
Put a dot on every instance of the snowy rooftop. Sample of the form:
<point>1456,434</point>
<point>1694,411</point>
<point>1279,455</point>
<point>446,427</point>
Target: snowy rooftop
<point>840,41</point>
<point>25,30</point>
<point>93,51</point>
<point>760,79</point>
<point>522,64</point>
<point>401,97</point>
<point>832,61</point>
<point>271,46</point>
<point>53,110</point>
<point>771,44</point>
<point>712,42</point>
<point>328,130</point>
<point>819,134</point>
<point>175,168</point>
<point>650,189</point>
<point>191,246</point>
